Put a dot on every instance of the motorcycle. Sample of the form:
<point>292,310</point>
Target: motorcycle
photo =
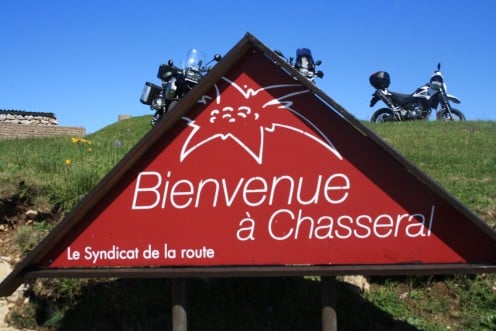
<point>175,83</point>
<point>304,63</point>
<point>415,106</point>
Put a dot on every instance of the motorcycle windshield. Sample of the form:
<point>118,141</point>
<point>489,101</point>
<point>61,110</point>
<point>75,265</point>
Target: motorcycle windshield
<point>195,60</point>
<point>304,59</point>
<point>304,52</point>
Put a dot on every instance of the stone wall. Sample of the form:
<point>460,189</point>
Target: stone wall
<point>20,124</point>
<point>27,118</point>
<point>14,131</point>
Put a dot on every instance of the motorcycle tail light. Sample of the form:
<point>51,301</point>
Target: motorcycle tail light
<point>150,92</point>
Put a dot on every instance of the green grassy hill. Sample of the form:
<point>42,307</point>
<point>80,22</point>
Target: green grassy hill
<point>50,175</point>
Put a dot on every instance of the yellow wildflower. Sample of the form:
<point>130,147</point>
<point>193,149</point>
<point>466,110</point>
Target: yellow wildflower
<point>80,140</point>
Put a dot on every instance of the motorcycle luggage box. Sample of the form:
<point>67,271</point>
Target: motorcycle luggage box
<point>150,92</point>
<point>380,80</point>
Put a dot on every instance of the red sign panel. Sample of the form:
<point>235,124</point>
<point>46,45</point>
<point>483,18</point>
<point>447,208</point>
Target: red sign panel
<point>257,170</point>
<point>261,171</point>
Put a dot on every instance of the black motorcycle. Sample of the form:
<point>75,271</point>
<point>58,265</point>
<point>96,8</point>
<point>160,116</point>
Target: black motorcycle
<point>176,82</point>
<point>304,63</point>
<point>415,106</point>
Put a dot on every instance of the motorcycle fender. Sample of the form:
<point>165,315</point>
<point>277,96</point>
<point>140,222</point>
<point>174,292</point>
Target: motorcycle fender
<point>454,99</point>
<point>374,99</point>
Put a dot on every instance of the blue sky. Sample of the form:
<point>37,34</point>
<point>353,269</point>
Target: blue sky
<point>87,61</point>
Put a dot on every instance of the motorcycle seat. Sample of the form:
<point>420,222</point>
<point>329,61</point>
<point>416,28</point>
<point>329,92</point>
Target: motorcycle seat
<point>400,98</point>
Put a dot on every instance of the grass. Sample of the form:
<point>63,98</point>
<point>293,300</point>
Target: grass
<point>64,168</point>
<point>460,156</point>
<point>54,173</point>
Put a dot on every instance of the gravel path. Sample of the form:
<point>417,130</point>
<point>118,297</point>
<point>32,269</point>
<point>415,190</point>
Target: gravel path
<point>6,302</point>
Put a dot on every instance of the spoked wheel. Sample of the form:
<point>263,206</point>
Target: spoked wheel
<point>382,115</point>
<point>454,115</point>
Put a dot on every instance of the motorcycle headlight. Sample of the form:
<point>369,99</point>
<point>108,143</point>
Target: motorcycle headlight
<point>307,73</point>
<point>192,75</point>
<point>436,82</point>
<point>436,85</point>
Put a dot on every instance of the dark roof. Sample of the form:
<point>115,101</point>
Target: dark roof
<point>26,113</point>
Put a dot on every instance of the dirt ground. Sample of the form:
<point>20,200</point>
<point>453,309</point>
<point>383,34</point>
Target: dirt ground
<point>12,215</point>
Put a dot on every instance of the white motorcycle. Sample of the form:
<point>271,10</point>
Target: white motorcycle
<point>415,106</point>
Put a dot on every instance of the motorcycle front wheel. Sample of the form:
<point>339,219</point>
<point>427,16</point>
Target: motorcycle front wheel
<point>454,115</point>
<point>382,115</point>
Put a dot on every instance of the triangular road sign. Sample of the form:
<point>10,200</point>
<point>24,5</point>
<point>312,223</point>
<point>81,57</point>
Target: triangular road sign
<point>257,171</point>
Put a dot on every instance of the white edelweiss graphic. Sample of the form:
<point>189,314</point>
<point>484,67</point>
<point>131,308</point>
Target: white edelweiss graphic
<point>225,113</point>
